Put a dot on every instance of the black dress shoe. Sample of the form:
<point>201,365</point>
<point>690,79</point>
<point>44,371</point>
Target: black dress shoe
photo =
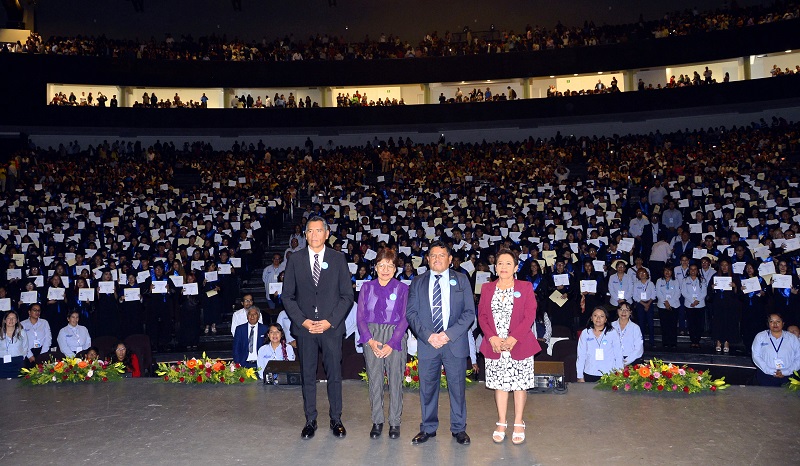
<point>376,431</point>
<point>422,437</point>
<point>394,431</point>
<point>308,430</point>
<point>338,429</point>
<point>461,437</point>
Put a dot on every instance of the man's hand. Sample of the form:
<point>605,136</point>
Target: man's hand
<point>319,326</point>
<point>437,340</point>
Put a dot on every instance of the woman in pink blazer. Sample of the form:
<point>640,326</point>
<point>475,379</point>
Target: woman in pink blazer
<point>506,313</point>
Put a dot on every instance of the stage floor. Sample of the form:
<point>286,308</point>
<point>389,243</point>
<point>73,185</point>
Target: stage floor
<point>145,421</point>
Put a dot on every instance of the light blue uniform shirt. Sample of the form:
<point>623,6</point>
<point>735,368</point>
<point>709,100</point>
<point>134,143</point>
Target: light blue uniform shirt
<point>589,361</point>
<point>768,350</point>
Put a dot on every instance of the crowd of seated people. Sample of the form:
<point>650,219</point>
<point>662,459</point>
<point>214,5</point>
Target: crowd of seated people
<point>776,71</point>
<point>324,47</point>
<point>599,88</point>
<point>360,100</point>
<point>478,95</point>
<point>84,100</point>
<point>150,100</point>
<point>280,101</point>
<point>107,219</point>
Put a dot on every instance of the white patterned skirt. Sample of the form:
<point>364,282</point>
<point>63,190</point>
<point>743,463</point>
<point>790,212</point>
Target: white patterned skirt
<point>508,374</point>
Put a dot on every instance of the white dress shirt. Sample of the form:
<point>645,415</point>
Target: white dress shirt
<point>444,284</point>
<point>284,321</point>
<point>321,259</point>
<point>252,350</point>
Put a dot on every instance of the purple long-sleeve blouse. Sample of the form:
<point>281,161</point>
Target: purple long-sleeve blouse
<point>382,305</point>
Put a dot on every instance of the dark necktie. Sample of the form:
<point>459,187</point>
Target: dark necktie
<point>251,340</point>
<point>436,312</point>
<point>316,269</point>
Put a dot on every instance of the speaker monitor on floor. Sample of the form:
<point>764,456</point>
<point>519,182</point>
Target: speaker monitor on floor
<point>283,373</point>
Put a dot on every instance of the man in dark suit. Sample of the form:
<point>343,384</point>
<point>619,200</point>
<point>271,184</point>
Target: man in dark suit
<point>440,311</point>
<point>317,295</point>
<point>248,338</point>
<point>649,236</point>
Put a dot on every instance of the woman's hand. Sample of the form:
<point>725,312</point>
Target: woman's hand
<point>376,348</point>
<point>509,343</point>
<point>497,344</point>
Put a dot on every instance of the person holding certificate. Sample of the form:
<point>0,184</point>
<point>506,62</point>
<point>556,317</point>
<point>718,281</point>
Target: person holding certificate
<point>785,289</point>
<point>56,295</point>
<point>189,317</point>
<point>694,291</point>
<point>725,305</point>
<point>776,353</point>
<point>80,301</point>
<point>591,298</point>
<point>107,306</point>
<point>754,303</point>
<point>131,307</point>
<point>211,298</point>
<point>563,292</point>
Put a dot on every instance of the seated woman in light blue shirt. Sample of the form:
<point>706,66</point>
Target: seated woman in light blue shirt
<point>13,346</point>
<point>776,353</point>
<point>73,338</point>
<point>630,336</point>
<point>274,349</point>
<point>599,350</point>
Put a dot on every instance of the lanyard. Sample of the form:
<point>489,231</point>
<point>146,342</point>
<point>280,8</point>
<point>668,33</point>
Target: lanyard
<point>773,344</point>
<point>598,341</point>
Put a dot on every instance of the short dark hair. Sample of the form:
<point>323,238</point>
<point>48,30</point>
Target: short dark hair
<point>386,253</point>
<point>508,252</point>
<point>440,244</point>
<point>318,218</point>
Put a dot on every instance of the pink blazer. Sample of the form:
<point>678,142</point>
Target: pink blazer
<point>522,318</point>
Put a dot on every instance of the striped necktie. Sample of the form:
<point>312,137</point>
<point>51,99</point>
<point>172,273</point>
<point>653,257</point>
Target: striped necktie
<point>316,269</point>
<point>436,312</point>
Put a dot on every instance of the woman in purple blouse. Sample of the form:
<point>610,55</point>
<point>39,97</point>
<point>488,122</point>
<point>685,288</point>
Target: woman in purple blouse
<point>382,325</point>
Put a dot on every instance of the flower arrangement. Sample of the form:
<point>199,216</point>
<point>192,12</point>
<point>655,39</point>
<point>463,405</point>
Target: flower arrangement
<point>72,370</point>
<point>205,370</point>
<point>794,382</point>
<point>411,375</point>
<point>657,376</point>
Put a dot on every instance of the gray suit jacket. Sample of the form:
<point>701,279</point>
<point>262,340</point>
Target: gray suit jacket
<point>462,314</point>
<point>333,297</point>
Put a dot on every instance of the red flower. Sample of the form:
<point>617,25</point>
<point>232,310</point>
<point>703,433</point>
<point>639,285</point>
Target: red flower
<point>87,378</point>
<point>668,375</point>
<point>699,372</point>
<point>614,388</point>
<point>52,371</point>
<point>690,370</point>
<point>241,379</point>
<point>222,379</point>
<point>105,379</point>
<point>238,365</point>
<point>660,387</point>
<point>713,388</point>
<point>182,379</point>
<point>686,389</point>
<point>64,377</point>
<point>636,367</point>
<point>408,371</point>
<point>166,378</point>
<point>415,378</point>
<point>651,378</point>
<point>27,376</point>
<point>626,373</point>
<point>199,379</point>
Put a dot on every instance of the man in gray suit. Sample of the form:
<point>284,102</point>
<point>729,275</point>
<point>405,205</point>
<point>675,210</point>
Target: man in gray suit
<point>318,294</point>
<point>440,311</point>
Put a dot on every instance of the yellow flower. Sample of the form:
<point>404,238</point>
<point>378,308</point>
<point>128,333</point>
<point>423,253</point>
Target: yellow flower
<point>250,373</point>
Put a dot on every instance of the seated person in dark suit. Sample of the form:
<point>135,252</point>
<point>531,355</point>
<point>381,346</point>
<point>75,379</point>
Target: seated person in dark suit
<point>248,338</point>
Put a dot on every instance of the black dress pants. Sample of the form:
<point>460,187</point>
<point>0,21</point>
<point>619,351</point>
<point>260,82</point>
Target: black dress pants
<point>309,347</point>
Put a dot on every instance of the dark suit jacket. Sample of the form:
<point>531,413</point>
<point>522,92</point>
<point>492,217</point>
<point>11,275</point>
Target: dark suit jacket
<point>462,314</point>
<point>647,239</point>
<point>333,297</point>
<point>240,336</point>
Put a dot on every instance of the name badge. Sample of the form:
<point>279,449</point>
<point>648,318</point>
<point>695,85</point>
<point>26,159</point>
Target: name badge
<point>621,294</point>
<point>37,344</point>
<point>643,296</point>
<point>598,354</point>
<point>779,363</point>
<point>694,296</point>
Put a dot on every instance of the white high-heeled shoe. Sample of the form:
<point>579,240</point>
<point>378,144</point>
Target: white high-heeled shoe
<point>518,438</point>
<point>498,437</point>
